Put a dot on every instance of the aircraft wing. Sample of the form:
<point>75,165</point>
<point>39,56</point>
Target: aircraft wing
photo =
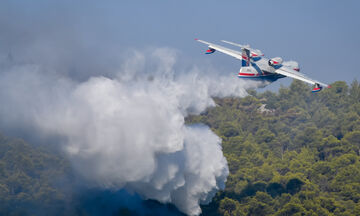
<point>289,72</point>
<point>230,52</point>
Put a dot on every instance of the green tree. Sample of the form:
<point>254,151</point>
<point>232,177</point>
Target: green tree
<point>228,207</point>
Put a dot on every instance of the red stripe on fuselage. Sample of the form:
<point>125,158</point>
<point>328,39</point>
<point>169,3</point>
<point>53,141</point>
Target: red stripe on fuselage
<point>246,74</point>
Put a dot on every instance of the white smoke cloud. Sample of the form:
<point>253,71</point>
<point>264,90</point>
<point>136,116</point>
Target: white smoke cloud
<point>128,131</point>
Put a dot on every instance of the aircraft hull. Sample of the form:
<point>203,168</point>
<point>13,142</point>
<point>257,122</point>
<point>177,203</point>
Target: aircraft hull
<point>268,77</point>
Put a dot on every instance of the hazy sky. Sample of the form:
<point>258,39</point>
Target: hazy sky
<point>323,35</point>
<point>50,48</point>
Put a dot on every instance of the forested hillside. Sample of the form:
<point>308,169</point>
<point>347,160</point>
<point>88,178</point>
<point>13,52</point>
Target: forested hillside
<point>290,153</point>
<point>33,180</point>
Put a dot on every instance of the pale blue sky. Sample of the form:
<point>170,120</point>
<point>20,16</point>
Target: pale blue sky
<point>322,35</point>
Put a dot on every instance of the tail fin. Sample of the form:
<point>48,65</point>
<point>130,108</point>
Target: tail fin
<point>245,57</point>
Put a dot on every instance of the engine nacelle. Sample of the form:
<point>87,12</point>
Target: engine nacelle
<point>292,64</point>
<point>255,54</point>
<point>277,61</point>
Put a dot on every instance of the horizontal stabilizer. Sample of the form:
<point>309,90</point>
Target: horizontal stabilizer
<point>254,52</point>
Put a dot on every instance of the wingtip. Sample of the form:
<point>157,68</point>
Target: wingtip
<point>196,39</point>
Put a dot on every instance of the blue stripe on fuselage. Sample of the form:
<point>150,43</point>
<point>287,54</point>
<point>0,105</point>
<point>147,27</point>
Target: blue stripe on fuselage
<point>257,68</point>
<point>270,78</point>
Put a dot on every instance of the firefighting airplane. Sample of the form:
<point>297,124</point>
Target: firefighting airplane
<point>255,66</point>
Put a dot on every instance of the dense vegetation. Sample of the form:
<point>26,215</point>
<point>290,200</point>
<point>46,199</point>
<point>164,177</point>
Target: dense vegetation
<point>289,153</point>
<point>31,179</point>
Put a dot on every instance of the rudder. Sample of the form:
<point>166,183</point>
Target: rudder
<point>245,61</point>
